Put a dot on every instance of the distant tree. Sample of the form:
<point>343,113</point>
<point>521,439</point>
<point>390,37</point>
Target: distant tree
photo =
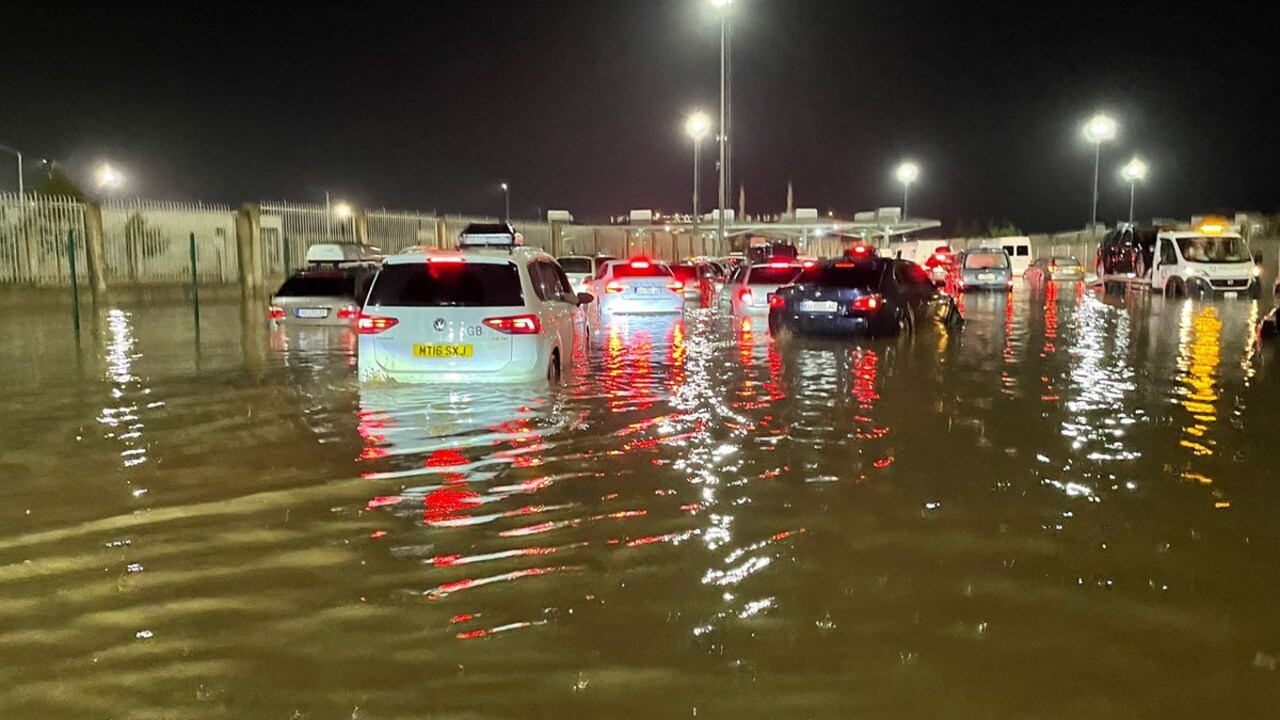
<point>1004,228</point>
<point>57,183</point>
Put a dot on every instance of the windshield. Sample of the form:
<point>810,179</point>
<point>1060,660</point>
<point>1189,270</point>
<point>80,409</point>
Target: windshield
<point>447,285</point>
<point>1065,261</point>
<point>1213,249</point>
<point>576,265</point>
<point>772,275</point>
<point>986,261</point>
<point>318,286</point>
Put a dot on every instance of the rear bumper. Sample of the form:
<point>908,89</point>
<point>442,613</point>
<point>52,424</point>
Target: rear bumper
<point>528,362</point>
<point>670,303</point>
<point>290,322</point>
<point>829,325</point>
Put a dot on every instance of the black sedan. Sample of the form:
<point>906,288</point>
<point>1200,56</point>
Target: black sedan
<point>867,297</point>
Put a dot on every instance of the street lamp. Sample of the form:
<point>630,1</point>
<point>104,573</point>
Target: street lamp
<point>1098,130</point>
<point>697,126</point>
<point>907,173</point>
<point>506,200</point>
<point>1134,172</point>
<point>109,178</point>
<point>343,212</point>
<point>723,6</point>
<point>15,153</point>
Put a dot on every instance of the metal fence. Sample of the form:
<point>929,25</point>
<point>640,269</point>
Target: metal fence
<point>33,239</point>
<point>393,231</point>
<point>288,229</point>
<point>148,242</point>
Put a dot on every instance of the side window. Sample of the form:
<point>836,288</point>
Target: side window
<point>1167,255</point>
<point>535,276</point>
<point>1024,251</point>
<point>566,288</point>
<point>1009,250</point>
<point>601,269</point>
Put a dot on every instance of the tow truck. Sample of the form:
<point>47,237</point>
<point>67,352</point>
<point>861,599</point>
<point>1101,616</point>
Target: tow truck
<point>1207,258</point>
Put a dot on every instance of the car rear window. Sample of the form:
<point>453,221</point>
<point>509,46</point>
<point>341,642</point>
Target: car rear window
<point>685,272</point>
<point>772,276</point>
<point>986,261</point>
<point>850,275</point>
<point>627,270</point>
<point>578,266</point>
<point>318,286</point>
<point>1065,261</point>
<point>447,285</point>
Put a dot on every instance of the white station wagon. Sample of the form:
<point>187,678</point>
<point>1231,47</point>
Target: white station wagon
<point>490,311</point>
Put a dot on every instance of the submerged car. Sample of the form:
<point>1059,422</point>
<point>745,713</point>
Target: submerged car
<point>1055,269</point>
<point>637,286</point>
<point>985,269</point>
<point>491,311</point>
<point>319,297</point>
<point>873,297</point>
<point>747,290</point>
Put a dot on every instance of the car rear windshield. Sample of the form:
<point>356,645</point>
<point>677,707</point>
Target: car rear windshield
<point>577,266</point>
<point>447,285</point>
<point>772,275</point>
<point>647,270</point>
<point>986,261</point>
<point>685,272</point>
<point>318,286</point>
<point>850,275</point>
<point>1065,261</point>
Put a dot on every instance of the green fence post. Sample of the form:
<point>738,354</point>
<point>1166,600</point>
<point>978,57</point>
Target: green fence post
<point>195,287</point>
<point>75,287</point>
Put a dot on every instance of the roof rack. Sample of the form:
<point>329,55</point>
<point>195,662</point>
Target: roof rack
<point>490,235</point>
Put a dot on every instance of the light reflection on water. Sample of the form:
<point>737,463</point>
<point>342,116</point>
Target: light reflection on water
<point>699,517</point>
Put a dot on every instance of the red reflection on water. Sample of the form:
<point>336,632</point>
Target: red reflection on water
<point>628,370</point>
<point>746,340</point>
<point>678,351</point>
<point>865,364</point>
<point>447,502</point>
<point>1050,334</point>
<point>371,426</point>
<point>446,458</point>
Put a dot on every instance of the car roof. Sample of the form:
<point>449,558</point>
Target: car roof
<point>472,255</point>
<point>325,274</point>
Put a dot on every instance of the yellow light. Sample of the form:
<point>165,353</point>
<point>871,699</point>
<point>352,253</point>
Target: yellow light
<point>1211,229</point>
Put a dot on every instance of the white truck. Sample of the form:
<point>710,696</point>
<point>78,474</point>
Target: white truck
<point>1209,258</point>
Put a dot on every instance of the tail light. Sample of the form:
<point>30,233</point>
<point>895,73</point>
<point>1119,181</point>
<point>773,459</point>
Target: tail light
<point>516,324</point>
<point>745,295</point>
<point>640,264</point>
<point>348,312</point>
<point>276,313</point>
<point>866,303</point>
<point>446,259</point>
<point>808,264</point>
<point>613,287</point>
<point>776,301</point>
<point>373,324</point>
<point>675,286</point>
<point>779,264</point>
<point>1053,267</point>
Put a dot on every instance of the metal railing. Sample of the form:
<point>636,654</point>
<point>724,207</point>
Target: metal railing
<point>33,239</point>
<point>148,242</point>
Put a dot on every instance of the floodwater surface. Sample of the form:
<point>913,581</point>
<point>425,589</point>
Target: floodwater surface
<point>1068,509</point>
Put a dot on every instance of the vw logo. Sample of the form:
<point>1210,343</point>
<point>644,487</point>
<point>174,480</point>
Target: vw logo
<point>439,324</point>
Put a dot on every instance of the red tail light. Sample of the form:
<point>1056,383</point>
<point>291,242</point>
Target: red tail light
<point>779,264</point>
<point>613,287</point>
<point>1053,267</point>
<point>859,249</point>
<point>776,301</point>
<point>373,324</point>
<point>809,264</point>
<point>640,264</point>
<point>516,324</point>
<point>675,286</point>
<point>452,259</point>
<point>745,295</point>
<point>866,303</point>
<point>276,312</point>
<point>940,257</point>
<point>348,312</point>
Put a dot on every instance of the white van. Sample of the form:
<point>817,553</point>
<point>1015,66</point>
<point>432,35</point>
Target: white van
<point>1018,248</point>
<point>1196,262</point>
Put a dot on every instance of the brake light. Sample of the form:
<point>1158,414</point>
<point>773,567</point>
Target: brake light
<point>348,312</point>
<point>776,301</point>
<point>640,264</point>
<point>860,249</point>
<point>516,324</point>
<point>447,259</point>
<point>940,257</point>
<point>779,265</point>
<point>745,295</point>
<point>613,287</point>
<point>373,324</point>
<point>866,303</point>
<point>809,264</point>
<point>675,286</point>
<point>276,312</point>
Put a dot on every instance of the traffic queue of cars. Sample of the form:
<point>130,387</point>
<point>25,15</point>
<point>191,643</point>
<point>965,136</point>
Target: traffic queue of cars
<point>493,309</point>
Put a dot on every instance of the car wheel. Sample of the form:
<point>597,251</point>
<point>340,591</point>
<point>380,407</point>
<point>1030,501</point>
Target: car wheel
<point>906,324</point>
<point>1174,289</point>
<point>1255,290</point>
<point>553,367</point>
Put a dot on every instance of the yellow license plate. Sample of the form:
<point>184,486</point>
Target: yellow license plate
<point>443,351</point>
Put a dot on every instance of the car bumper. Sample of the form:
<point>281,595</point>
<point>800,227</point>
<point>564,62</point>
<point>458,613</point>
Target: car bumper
<point>1220,285</point>
<point>655,306</point>
<point>830,325</point>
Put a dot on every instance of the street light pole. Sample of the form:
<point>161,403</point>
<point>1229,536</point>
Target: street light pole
<point>506,200</point>
<point>328,217</point>
<point>1099,129</point>
<point>1097,160</point>
<point>907,173</point>
<point>1135,171</point>
<point>724,118</point>
<point>21,187</point>
<point>697,125</point>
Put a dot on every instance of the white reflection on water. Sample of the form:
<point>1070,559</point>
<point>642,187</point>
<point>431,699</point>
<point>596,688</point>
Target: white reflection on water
<point>1102,376</point>
<point>129,395</point>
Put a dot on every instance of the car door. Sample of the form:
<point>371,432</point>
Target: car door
<point>575,315</point>
<point>1166,263</point>
<point>556,313</point>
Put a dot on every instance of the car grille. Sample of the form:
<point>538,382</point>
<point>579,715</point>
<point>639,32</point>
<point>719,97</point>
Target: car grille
<point>1232,284</point>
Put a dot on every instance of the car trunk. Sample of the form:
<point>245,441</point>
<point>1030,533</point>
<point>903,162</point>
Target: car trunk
<point>442,340</point>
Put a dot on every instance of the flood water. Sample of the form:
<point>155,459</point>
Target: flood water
<point>1068,509</point>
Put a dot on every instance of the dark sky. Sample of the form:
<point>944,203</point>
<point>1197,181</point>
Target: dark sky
<point>580,104</point>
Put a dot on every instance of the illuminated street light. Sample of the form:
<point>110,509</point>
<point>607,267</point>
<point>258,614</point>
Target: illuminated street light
<point>506,200</point>
<point>343,212</point>
<point>697,125</point>
<point>1135,172</point>
<point>907,173</point>
<point>109,178</point>
<point>1100,128</point>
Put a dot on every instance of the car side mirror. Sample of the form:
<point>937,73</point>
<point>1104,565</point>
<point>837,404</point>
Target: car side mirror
<point>585,298</point>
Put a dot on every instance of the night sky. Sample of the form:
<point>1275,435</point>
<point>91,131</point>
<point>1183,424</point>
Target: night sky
<point>580,105</point>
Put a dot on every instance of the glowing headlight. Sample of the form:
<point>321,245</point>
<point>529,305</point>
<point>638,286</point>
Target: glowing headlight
<point>1257,271</point>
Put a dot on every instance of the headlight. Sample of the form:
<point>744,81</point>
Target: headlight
<point>1257,271</point>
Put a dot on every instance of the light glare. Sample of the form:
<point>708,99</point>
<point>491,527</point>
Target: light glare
<point>908,172</point>
<point>1100,128</point>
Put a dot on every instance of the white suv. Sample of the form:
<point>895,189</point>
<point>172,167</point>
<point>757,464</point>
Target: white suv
<point>489,312</point>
